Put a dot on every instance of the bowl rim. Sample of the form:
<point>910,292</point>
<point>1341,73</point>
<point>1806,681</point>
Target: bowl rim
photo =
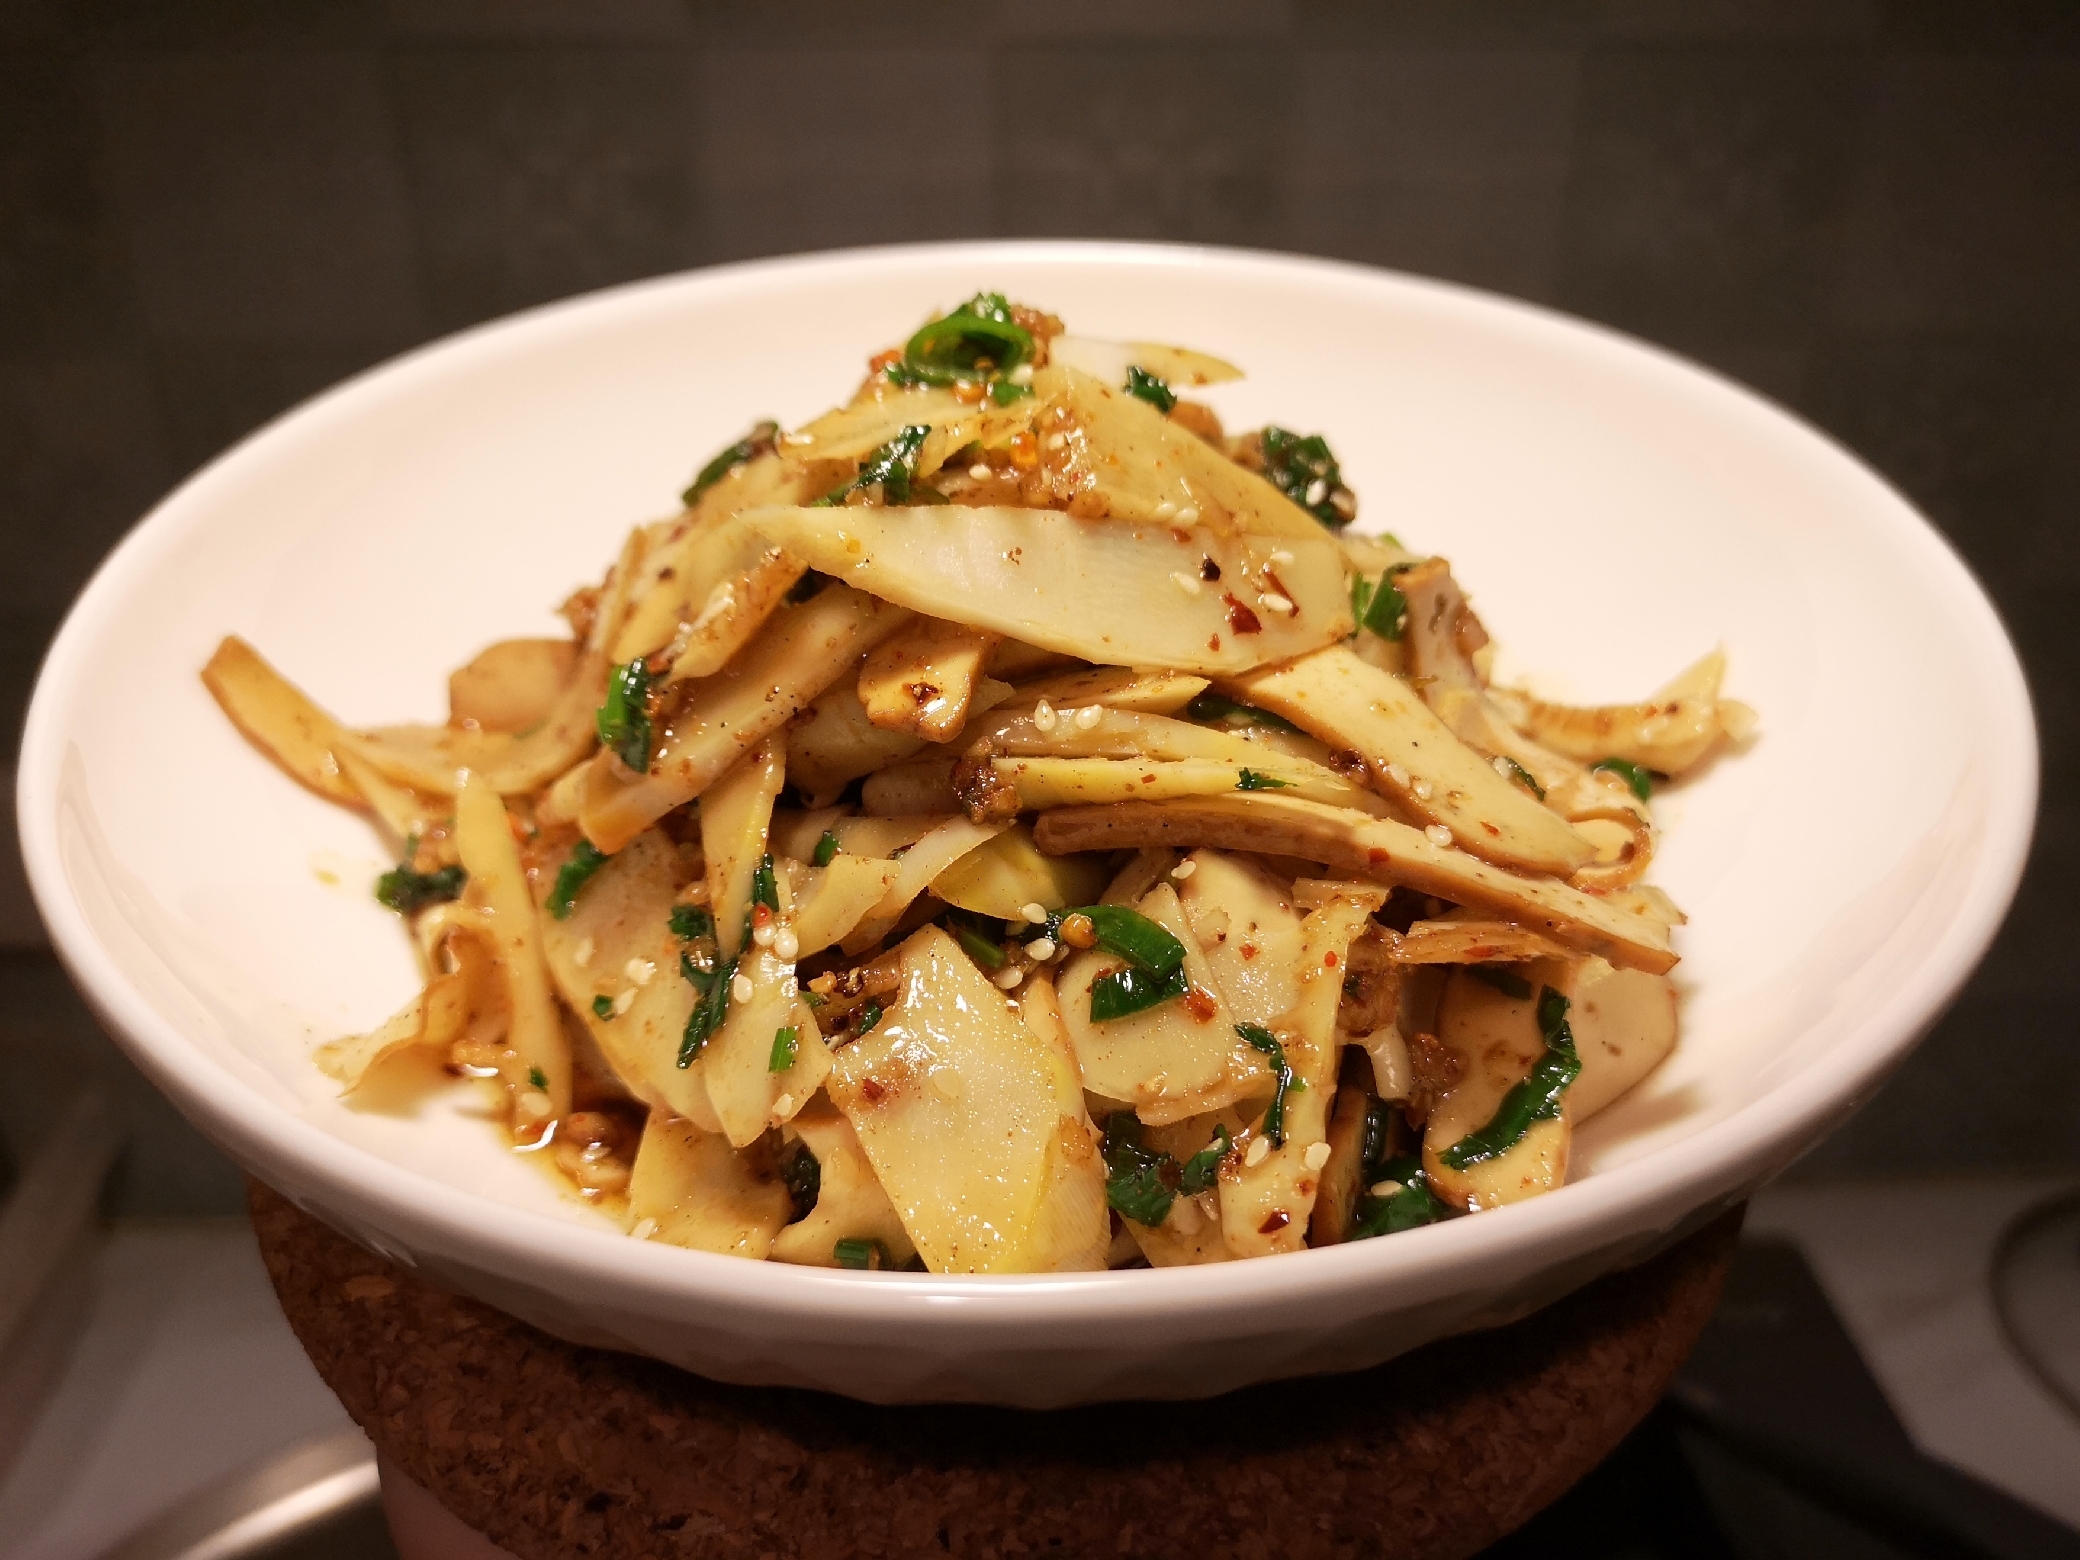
<point>540,1248</point>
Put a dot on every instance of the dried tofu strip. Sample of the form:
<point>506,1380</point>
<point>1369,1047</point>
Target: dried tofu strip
<point>1113,688</point>
<point>1072,782</point>
<point>278,719</point>
<point>540,1076</point>
<point>804,649</point>
<point>1125,734</point>
<point>1412,754</point>
<point>1118,456</point>
<point>1088,588</point>
<point>1376,848</point>
<point>920,681</point>
<point>1669,732</point>
<point>1268,1189</point>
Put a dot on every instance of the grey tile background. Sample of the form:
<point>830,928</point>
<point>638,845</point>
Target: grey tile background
<point>1870,209</point>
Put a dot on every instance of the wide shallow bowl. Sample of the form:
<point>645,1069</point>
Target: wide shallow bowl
<point>1615,512</point>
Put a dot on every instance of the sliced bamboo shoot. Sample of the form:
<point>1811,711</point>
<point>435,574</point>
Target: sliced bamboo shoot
<point>1669,732</point>
<point>1008,873</point>
<point>278,719</point>
<point>836,898</point>
<point>511,685</point>
<point>1245,920</point>
<point>920,864</point>
<point>850,1204</point>
<point>1375,848</point>
<point>748,1095</point>
<point>1497,1040</point>
<point>803,649</point>
<point>1114,688</point>
<point>1624,1024</point>
<point>919,681</point>
<point>692,1189</point>
<point>1413,756</point>
<point>736,813</point>
<point>1083,586</point>
<point>969,1120</point>
<point>1081,782</point>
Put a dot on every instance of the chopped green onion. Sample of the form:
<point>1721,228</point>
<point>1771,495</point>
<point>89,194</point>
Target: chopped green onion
<point>869,1016</point>
<point>1306,471</point>
<point>1131,989</point>
<point>1503,979</point>
<point>753,444</point>
<point>865,1255</point>
<point>893,466</point>
<point>1386,612</point>
<point>585,859</point>
<point>408,892</point>
<point>1261,1039</point>
<point>709,1010</point>
<point>1410,1204</point>
<point>624,720</point>
<point>1639,779</point>
<point>1144,386</point>
<point>984,950</point>
<point>1005,391</point>
<point>1522,776</point>
<point>690,922</point>
<point>1214,706</point>
<point>764,889</point>
<point>787,1043</point>
<point>1134,936</point>
<point>1535,1098</point>
<point>826,850</point>
<point>1250,780</point>
<point>1135,1184</point>
<point>1201,1172</point>
<point>537,1077</point>
<point>979,340</point>
<point>602,1007</point>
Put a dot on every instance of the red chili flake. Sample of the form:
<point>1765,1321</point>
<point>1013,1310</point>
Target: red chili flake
<point>1249,950</point>
<point>1148,779</point>
<point>1376,857</point>
<point>1213,643</point>
<point>1491,828</point>
<point>1200,1004</point>
<point>1274,1221</point>
<point>761,915</point>
<point>1329,961</point>
<point>1240,618</point>
<point>874,1089</point>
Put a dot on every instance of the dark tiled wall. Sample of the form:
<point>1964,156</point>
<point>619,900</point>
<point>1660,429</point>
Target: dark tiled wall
<point>1868,208</point>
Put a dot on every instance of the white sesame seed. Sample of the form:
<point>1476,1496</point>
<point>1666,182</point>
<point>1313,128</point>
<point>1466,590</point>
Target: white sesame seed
<point>1423,790</point>
<point>1041,948</point>
<point>1008,977</point>
<point>1281,556</point>
<point>1272,601</point>
<point>1317,490</point>
<point>1043,715</point>
<point>1188,583</point>
<point>1316,1156</point>
<point>640,971</point>
<point>764,935</point>
<point>535,1104</point>
<point>1055,441</point>
<point>625,1001</point>
<point>740,987</point>
<point>1384,1188</point>
<point>1023,374</point>
<point>1184,869</point>
<point>1089,716</point>
<point>786,946</point>
<point>1184,1216</point>
<point>1397,775</point>
<point>1189,515</point>
<point>1437,834</point>
<point>783,1107</point>
<point>644,1229</point>
<point>1165,510</point>
<point>1035,912</point>
<point>979,471</point>
<point>1502,767</point>
<point>946,1083</point>
<point>583,952</point>
<point>1259,1151</point>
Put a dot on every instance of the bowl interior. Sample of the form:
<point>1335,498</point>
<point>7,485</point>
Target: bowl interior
<point>1614,513</point>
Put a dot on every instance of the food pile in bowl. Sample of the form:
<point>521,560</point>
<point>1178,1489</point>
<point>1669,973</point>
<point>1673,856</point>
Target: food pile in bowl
<point>1012,824</point>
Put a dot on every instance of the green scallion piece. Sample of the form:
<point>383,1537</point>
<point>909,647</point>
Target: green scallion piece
<point>710,1009</point>
<point>1386,610</point>
<point>602,1007</point>
<point>869,1016</point>
<point>787,1043</point>
<point>1130,989</point>
<point>1535,1098</point>
<point>765,888</point>
<point>537,1077</point>
<point>1250,780</point>
<point>408,892</point>
<point>1144,386</point>
<point>690,922</point>
<point>1639,779</point>
<point>893,466</point>
<point>1410,1204</point>
<point>827,848</point>
<point>984,950</point>
<point>1201,1172</point>
<point>1214,706</point>
<point>1522,776</point>
<point>1306,471</point>
<point>585,859</point>
<point>750,447</point>
<point>624,720</point>
<point>865,1255</point>
<point>977,341</point>
<point>1261,1039</point>
<point>1134,936</point>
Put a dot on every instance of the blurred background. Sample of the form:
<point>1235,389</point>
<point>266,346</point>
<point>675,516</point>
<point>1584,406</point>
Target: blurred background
<point>1868,210</point>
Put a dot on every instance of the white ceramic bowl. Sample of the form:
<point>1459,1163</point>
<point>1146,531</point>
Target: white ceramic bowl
<point>1615,512</point>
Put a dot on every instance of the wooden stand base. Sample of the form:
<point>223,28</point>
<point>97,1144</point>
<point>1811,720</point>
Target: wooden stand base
<point>555,1451</point>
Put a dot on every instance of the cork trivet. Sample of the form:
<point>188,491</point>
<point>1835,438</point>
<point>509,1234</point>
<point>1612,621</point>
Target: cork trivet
<point>556,1451</point>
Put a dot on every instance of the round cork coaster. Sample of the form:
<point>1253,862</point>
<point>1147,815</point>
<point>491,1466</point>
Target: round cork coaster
<point>555,1451</point>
